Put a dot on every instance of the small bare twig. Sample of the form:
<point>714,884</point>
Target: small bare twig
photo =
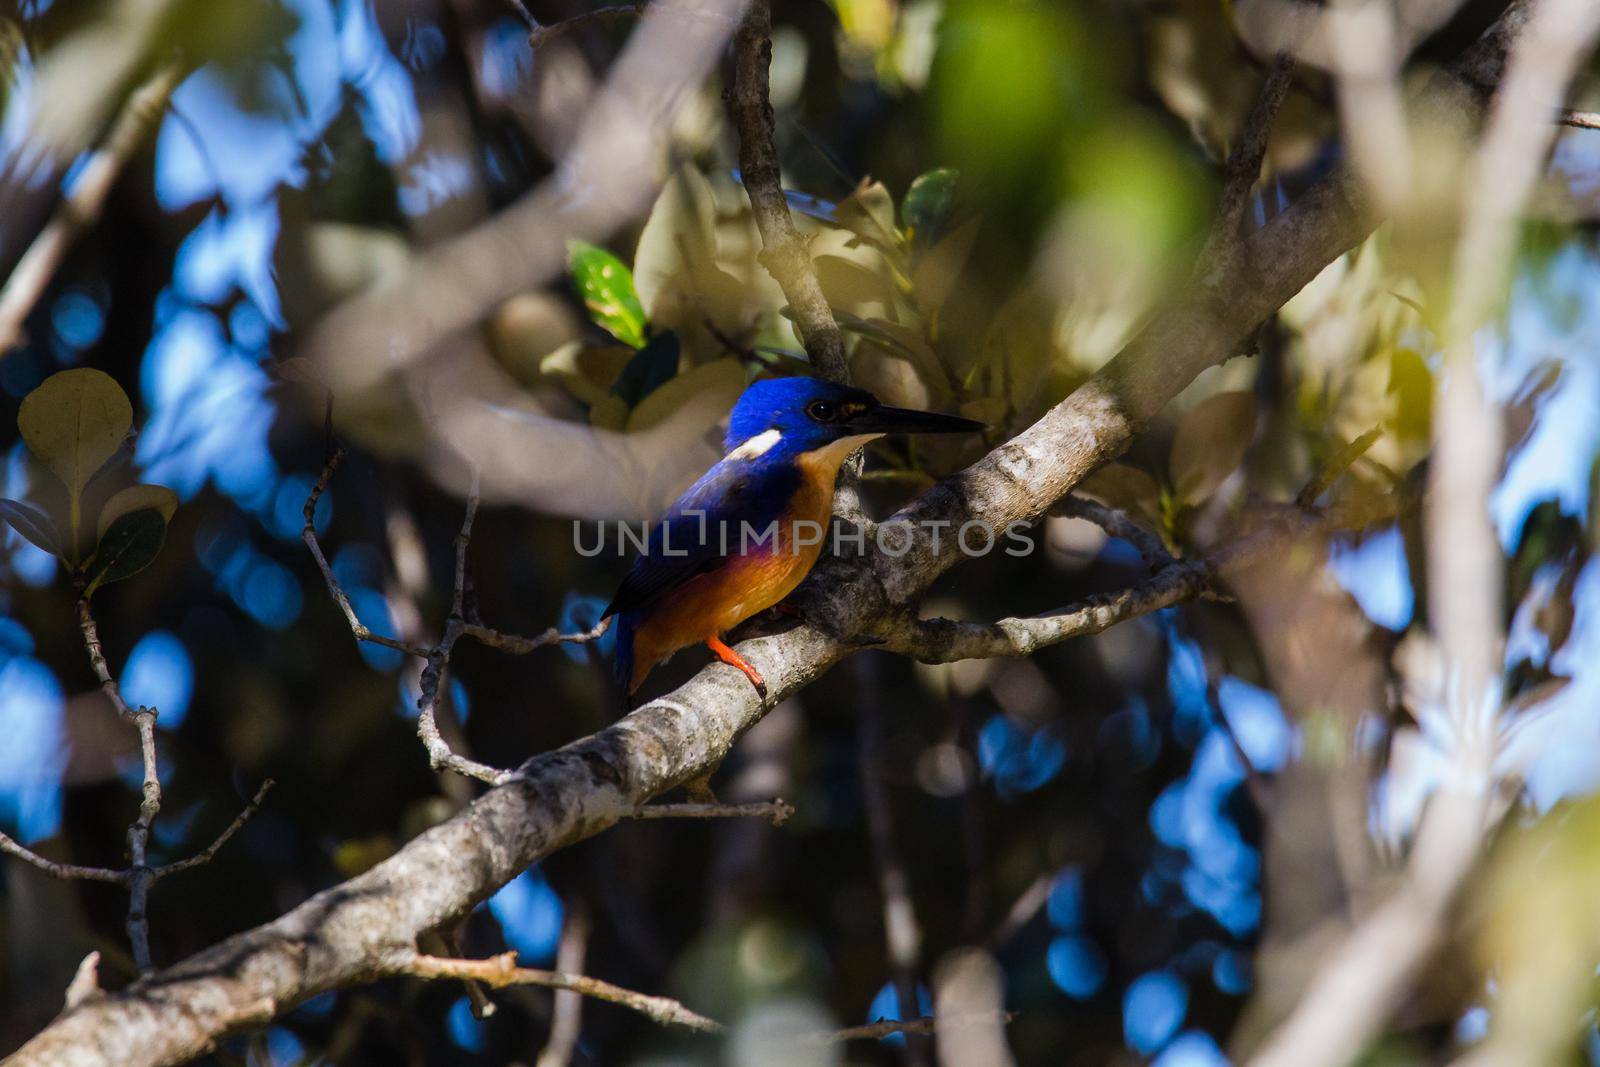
<point>777,812</point>
<point>785,254</point>
<point>501,971</point>
<point>1583,120</point>
<point>567,1020</point>
<point>64,871</point>
<point>925,1024</point>
<point>308,534</point>
<point>82,207</point>
<point>436,658</point>
<point>206,854</point>
<point>1243,166</point>
<point>1117,523</point>
<point>518,645</point>
<point>902,932</point>
<point>143,719</point>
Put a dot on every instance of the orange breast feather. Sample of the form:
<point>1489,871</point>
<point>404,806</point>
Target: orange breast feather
<point>747,585</point>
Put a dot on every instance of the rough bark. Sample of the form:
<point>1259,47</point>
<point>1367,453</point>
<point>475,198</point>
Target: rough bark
<point>366,928</point>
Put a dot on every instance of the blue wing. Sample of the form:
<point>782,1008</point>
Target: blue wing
<point>702,529</point>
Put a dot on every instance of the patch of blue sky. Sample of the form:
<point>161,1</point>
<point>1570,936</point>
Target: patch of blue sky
<point>1257,720</point>
<point>20,151</point>
<point>1376,573</point>
<point>77,318</point>
<point>232,250</point>
<point>530,914</point>
<point>1065,906</point>
<point>1153,1008</point>
<point>1018,760</point>
<point>283,1048</point>
<point>434,180</point>
<point>1187,682</point>
<point>467,1031</point>
<point>507,59</point>
<point>389,114</point>
<point>210,146</point>
<point>1556,745</point>
<point>1556,460</point>
<point>372,608</point>
<point>886,1006</point>
<point>1192,1048</point>
<point>15,640</point>
<point>209,416</point>
<point>581,613</point>
<point>32,759</point>
<point>1077,966</point>
<point>160,674</point>
<point>1232,972</point>
<point>33,565</point>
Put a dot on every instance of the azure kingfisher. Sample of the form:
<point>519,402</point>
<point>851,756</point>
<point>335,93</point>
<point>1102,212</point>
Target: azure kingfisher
<point>743,537</point>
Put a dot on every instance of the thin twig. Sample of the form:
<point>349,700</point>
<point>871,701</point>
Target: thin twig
<point>518,645</point>
<point>82,207</point>
<point>567,1017</point>
<point>436,658</point>
<point>902,933</point>
<point>785,254</point>
<point>777,812</point>
<point>1583,120</point>
<point>926,1024</point>
<point>1117,523</point>
<point>308,534</point>
<point>143,719</point>
<point>64,871</point>
<point>206,854</point>
<point>1243,166</point>
<point>501,971</point>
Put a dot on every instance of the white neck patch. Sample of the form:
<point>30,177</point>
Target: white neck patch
<point>759,445</point>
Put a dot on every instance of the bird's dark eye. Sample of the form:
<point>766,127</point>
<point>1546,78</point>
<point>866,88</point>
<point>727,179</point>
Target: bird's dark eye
<point>821,410</point>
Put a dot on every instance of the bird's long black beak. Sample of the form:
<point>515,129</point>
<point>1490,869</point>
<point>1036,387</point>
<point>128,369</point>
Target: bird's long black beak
<point>904,420</point>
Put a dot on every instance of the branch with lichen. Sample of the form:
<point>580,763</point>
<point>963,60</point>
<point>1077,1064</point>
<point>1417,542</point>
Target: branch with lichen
<point>369,925</point>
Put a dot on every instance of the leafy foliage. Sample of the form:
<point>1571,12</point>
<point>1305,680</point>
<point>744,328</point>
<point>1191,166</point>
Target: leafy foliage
<point>74,422</point>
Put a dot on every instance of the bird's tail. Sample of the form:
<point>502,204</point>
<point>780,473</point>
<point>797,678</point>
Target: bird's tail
<point>622,661</point>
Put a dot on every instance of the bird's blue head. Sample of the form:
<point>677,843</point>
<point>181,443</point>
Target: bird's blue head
<point>805,414</point>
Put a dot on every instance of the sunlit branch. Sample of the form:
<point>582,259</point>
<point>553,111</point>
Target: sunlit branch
<point>501,971</point>
<point>777,812</point>
<point>785,254</point>
<point>81,208</point>
<point>364,924</point>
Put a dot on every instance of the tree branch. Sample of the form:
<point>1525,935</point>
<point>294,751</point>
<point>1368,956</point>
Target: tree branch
<point>355,931</point>
<point>785,254</point>
<point>81,208</point>
<point>776,812</point>
<point>501,971</point>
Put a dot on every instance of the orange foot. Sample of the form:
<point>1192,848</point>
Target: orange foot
<point>733,659</point>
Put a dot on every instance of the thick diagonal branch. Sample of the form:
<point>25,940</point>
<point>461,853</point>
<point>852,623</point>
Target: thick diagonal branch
<point>353,932</point>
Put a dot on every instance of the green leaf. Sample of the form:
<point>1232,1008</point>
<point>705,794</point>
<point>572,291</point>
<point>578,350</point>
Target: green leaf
<point>74,422</point>
<point>31,522</point>
<point>868,212</point>
<point>129,545</point>
<point>136,498</point>
<point>650,368</point>
<point>1211,442</point>
<point>928,204</point>
<point>607,290</point>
